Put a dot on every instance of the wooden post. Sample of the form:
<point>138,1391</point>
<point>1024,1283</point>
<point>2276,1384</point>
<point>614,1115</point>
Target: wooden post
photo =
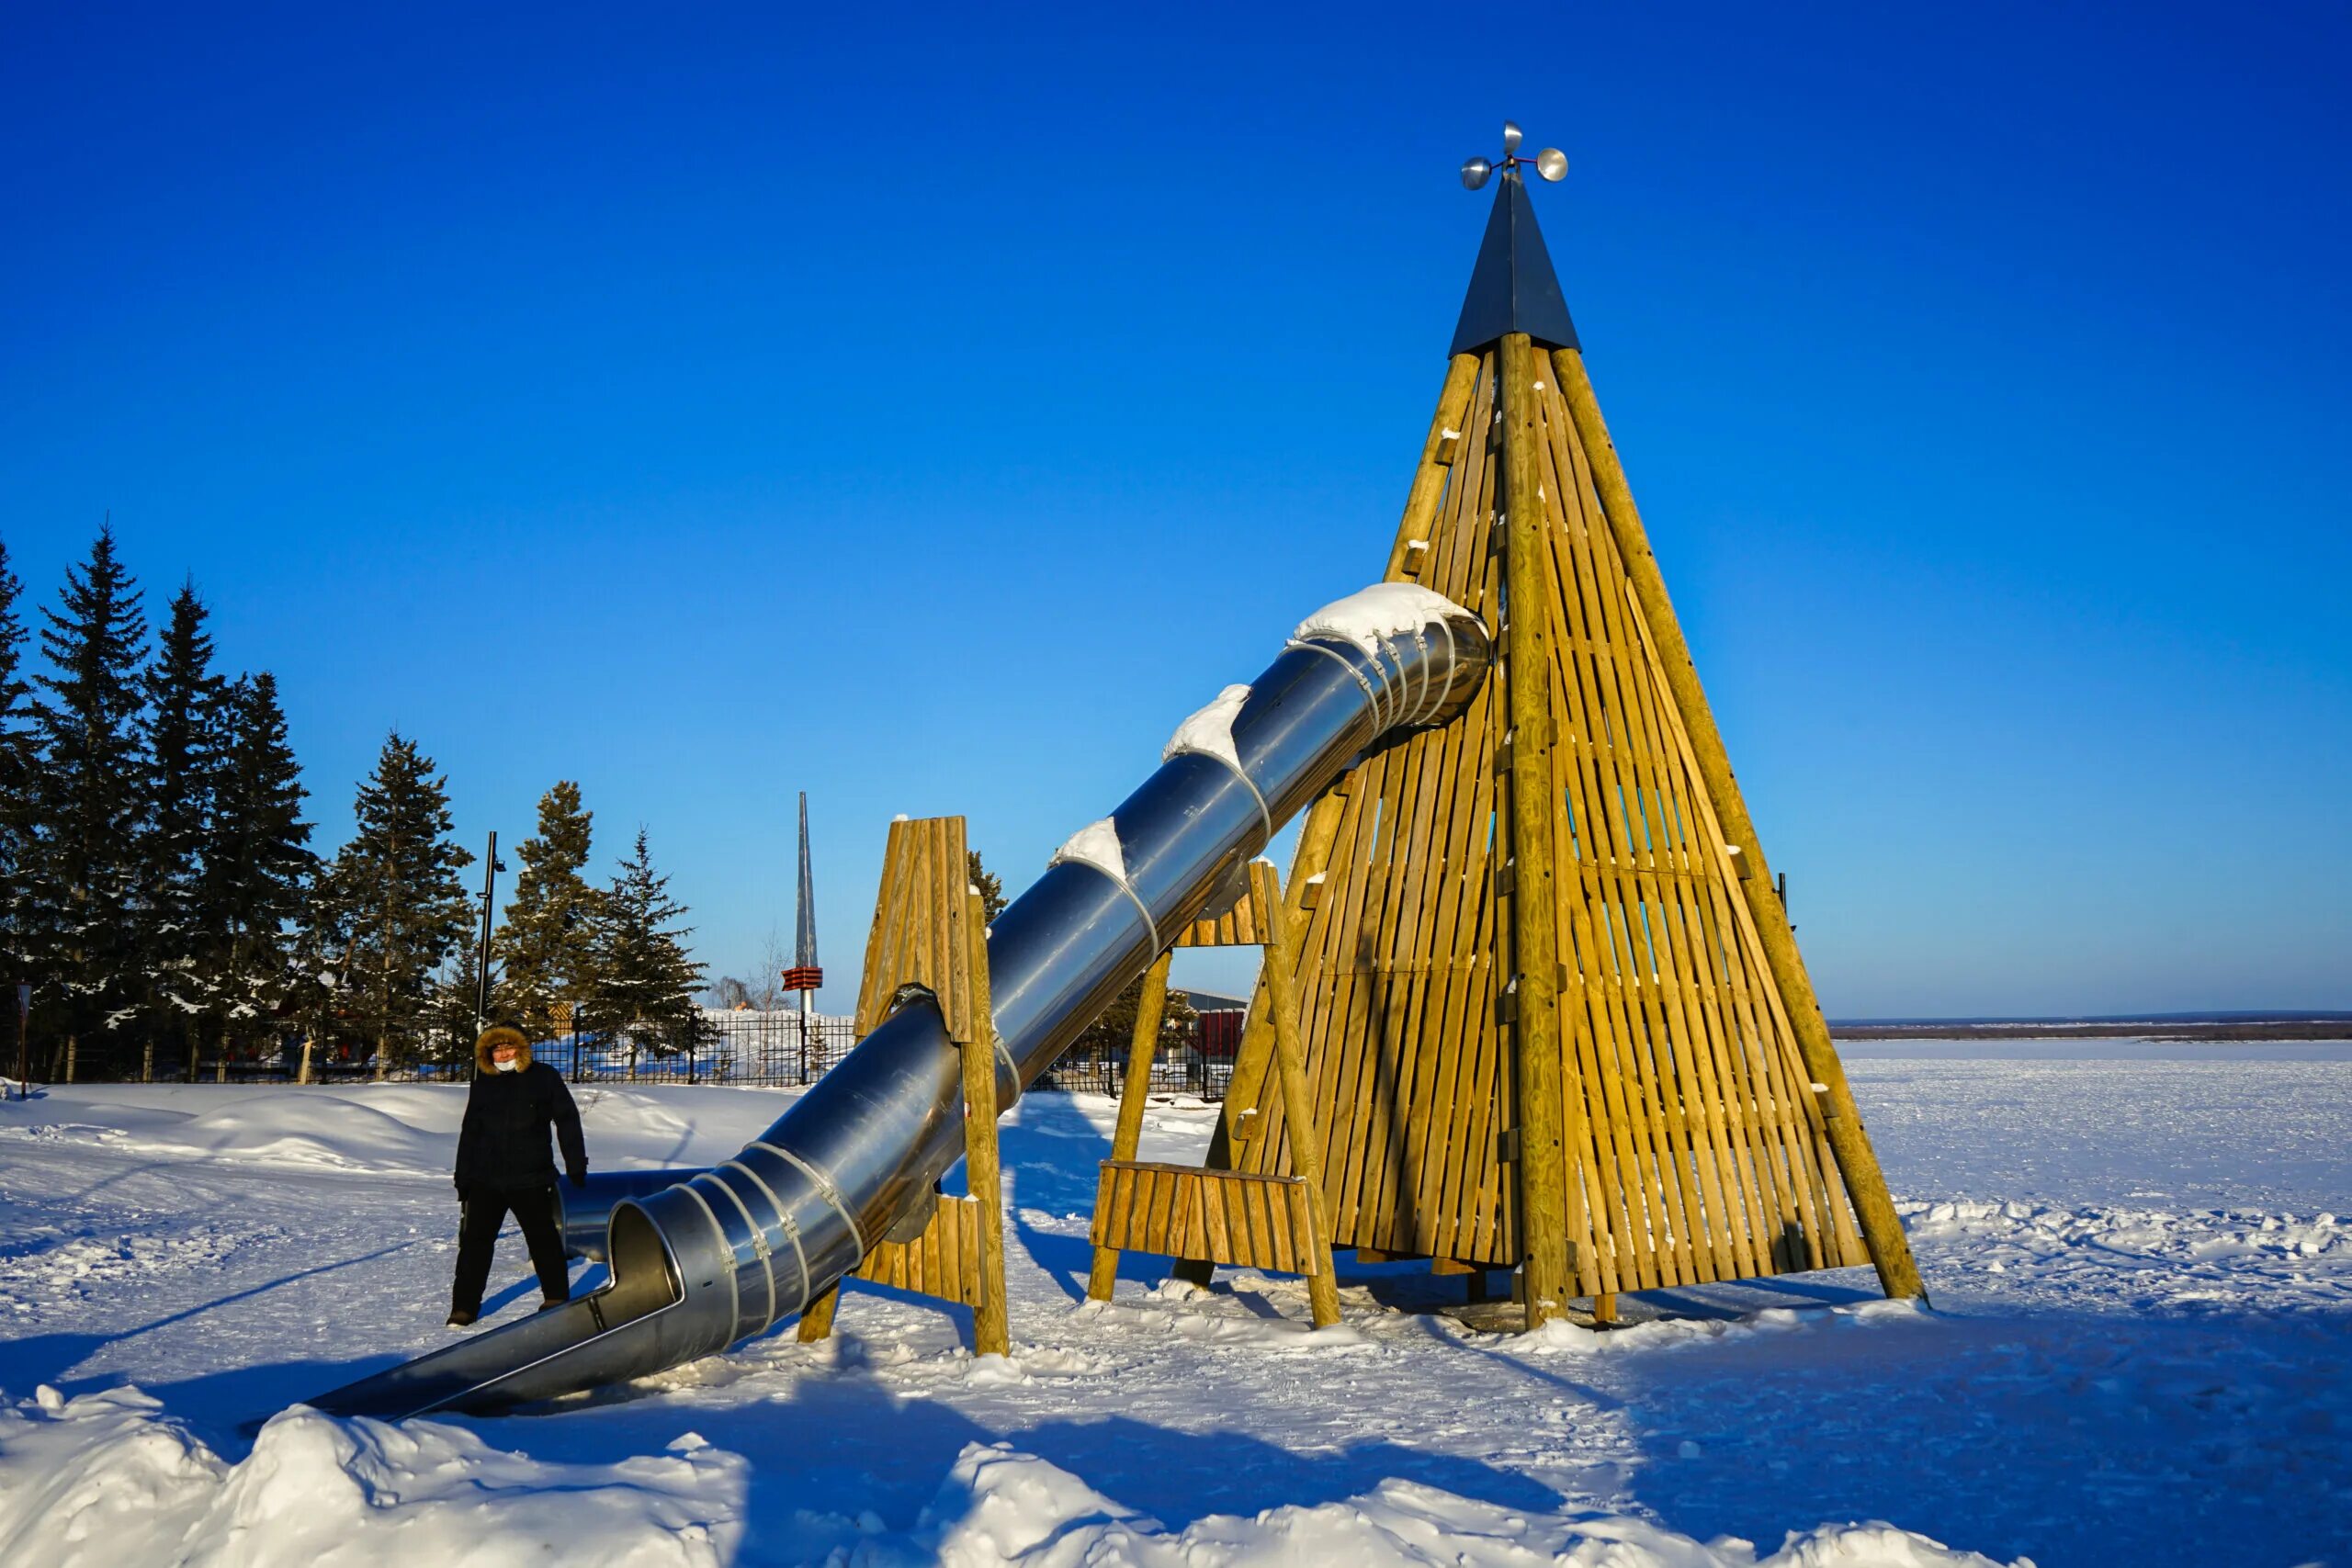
<point>1256,1042</point>
<point>1257,1039</point>
<point>1298,1105</point>
<point>1604,1310</point>
<point>990,1330</point>
<point>1428,478</point>
<point>1890,1251</point>
<point>1542,1145</point>
<point>816,1321</point>
<point>1129,1133</point>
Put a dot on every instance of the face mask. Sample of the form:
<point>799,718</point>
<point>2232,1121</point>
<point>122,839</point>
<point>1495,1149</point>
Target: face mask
<point>513,1064</point>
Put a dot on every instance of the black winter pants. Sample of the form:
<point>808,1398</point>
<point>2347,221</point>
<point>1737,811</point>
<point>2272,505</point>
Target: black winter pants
<point>484,1211</point>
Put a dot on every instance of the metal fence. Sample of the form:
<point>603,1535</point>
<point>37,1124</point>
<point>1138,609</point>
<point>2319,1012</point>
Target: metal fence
<point>751,1050</point>
<point>1196,1058</point>
<point>1182,1070</point>
<point>748,1049</point>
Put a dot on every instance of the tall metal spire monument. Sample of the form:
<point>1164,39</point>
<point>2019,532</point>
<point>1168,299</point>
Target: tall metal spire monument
<point>1554,1012</point>
<point>804,976</point>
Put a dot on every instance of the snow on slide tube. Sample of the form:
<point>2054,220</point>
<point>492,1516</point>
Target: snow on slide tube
<point>715,1255</point>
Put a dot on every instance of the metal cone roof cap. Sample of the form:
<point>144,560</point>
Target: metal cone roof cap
<point>1513,287</point>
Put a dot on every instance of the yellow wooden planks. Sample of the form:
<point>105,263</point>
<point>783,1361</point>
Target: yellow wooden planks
<point>943,1261</point>
<point>1244,925</point>
<point>920,927</point>
<point>1181,1211</point>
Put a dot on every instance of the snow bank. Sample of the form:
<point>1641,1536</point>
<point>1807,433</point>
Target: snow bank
<point>2194,1260</point>
<point>1561,1336</point>
<point>328,1129</point>
<point>1384,611</point>
<point>293,1126</point>
<point>43,1267</point>
<point>368,1129</point>
<point>1000,1507</point>
<point>107,1480</point>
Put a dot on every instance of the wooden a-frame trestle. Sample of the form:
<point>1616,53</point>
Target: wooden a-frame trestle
<point>1553,1015</point>
<point>930,929</point>
<point>1263,1219</point>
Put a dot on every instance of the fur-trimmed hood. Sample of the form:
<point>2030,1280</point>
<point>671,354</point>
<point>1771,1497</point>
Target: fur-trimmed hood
<point>490,1039</point>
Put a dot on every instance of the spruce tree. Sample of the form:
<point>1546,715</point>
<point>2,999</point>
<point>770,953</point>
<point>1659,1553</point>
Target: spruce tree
<point>451,1022</point>
<point>645,979</point>
<point>989,884</point>
<point>180,776</point>
<point>548,944</point>
<point>1113,1031</point>
<point>394,897</point>
<point>88,803</point>
<point>257,865</point>
<point>15,777</point>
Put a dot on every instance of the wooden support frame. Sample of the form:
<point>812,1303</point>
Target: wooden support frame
<point>931,929</point>
<point>1204,1216</point>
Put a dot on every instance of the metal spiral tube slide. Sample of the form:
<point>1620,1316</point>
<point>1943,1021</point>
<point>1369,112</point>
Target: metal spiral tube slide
<point>701,1259</point>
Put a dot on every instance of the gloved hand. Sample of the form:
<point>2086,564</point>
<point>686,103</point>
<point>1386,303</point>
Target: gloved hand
<point>577,1175</point>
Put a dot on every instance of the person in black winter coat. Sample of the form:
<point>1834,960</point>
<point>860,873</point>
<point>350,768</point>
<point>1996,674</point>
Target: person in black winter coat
<point>504,1164</point>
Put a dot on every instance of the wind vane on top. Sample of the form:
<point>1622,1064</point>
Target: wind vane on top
<point>1551,162</point>
<point>1513,288</point>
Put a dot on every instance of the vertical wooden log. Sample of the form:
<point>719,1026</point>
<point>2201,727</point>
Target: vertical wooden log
<point>1315,840</point>
<point>1604,1310</point>
<point>1428,478</point>
<point>817,1322</point>
<point>1298,1106</point>
<point>1141,1048</point>
<point>1898,1272</point>
<point>990,1327</point>
<point>1543,1143</point>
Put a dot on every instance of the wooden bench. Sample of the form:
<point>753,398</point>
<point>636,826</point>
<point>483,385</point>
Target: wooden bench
<point>1220,1216</point>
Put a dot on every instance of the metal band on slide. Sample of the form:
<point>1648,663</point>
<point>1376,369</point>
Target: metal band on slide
<point>800,1256</point>
<point>1429,668</point>
<point>1247,783</point>
<point>825,1189</point>
<point>734,1294</point>
<point>758,1240</point>
<point>1372,695</point>
<point>1004,1055</point>
<point>785,1223</point>
<point>1150,926</point>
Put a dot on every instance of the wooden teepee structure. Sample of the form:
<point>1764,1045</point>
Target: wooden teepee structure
<point>1554,1016</point>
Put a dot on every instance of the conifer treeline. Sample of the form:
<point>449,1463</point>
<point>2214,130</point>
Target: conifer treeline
<point>159,893</point>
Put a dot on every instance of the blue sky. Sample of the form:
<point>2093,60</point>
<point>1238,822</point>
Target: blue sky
<point>926,409</point>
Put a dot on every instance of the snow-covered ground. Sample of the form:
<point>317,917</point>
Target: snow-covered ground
<point>2140,1352</point>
